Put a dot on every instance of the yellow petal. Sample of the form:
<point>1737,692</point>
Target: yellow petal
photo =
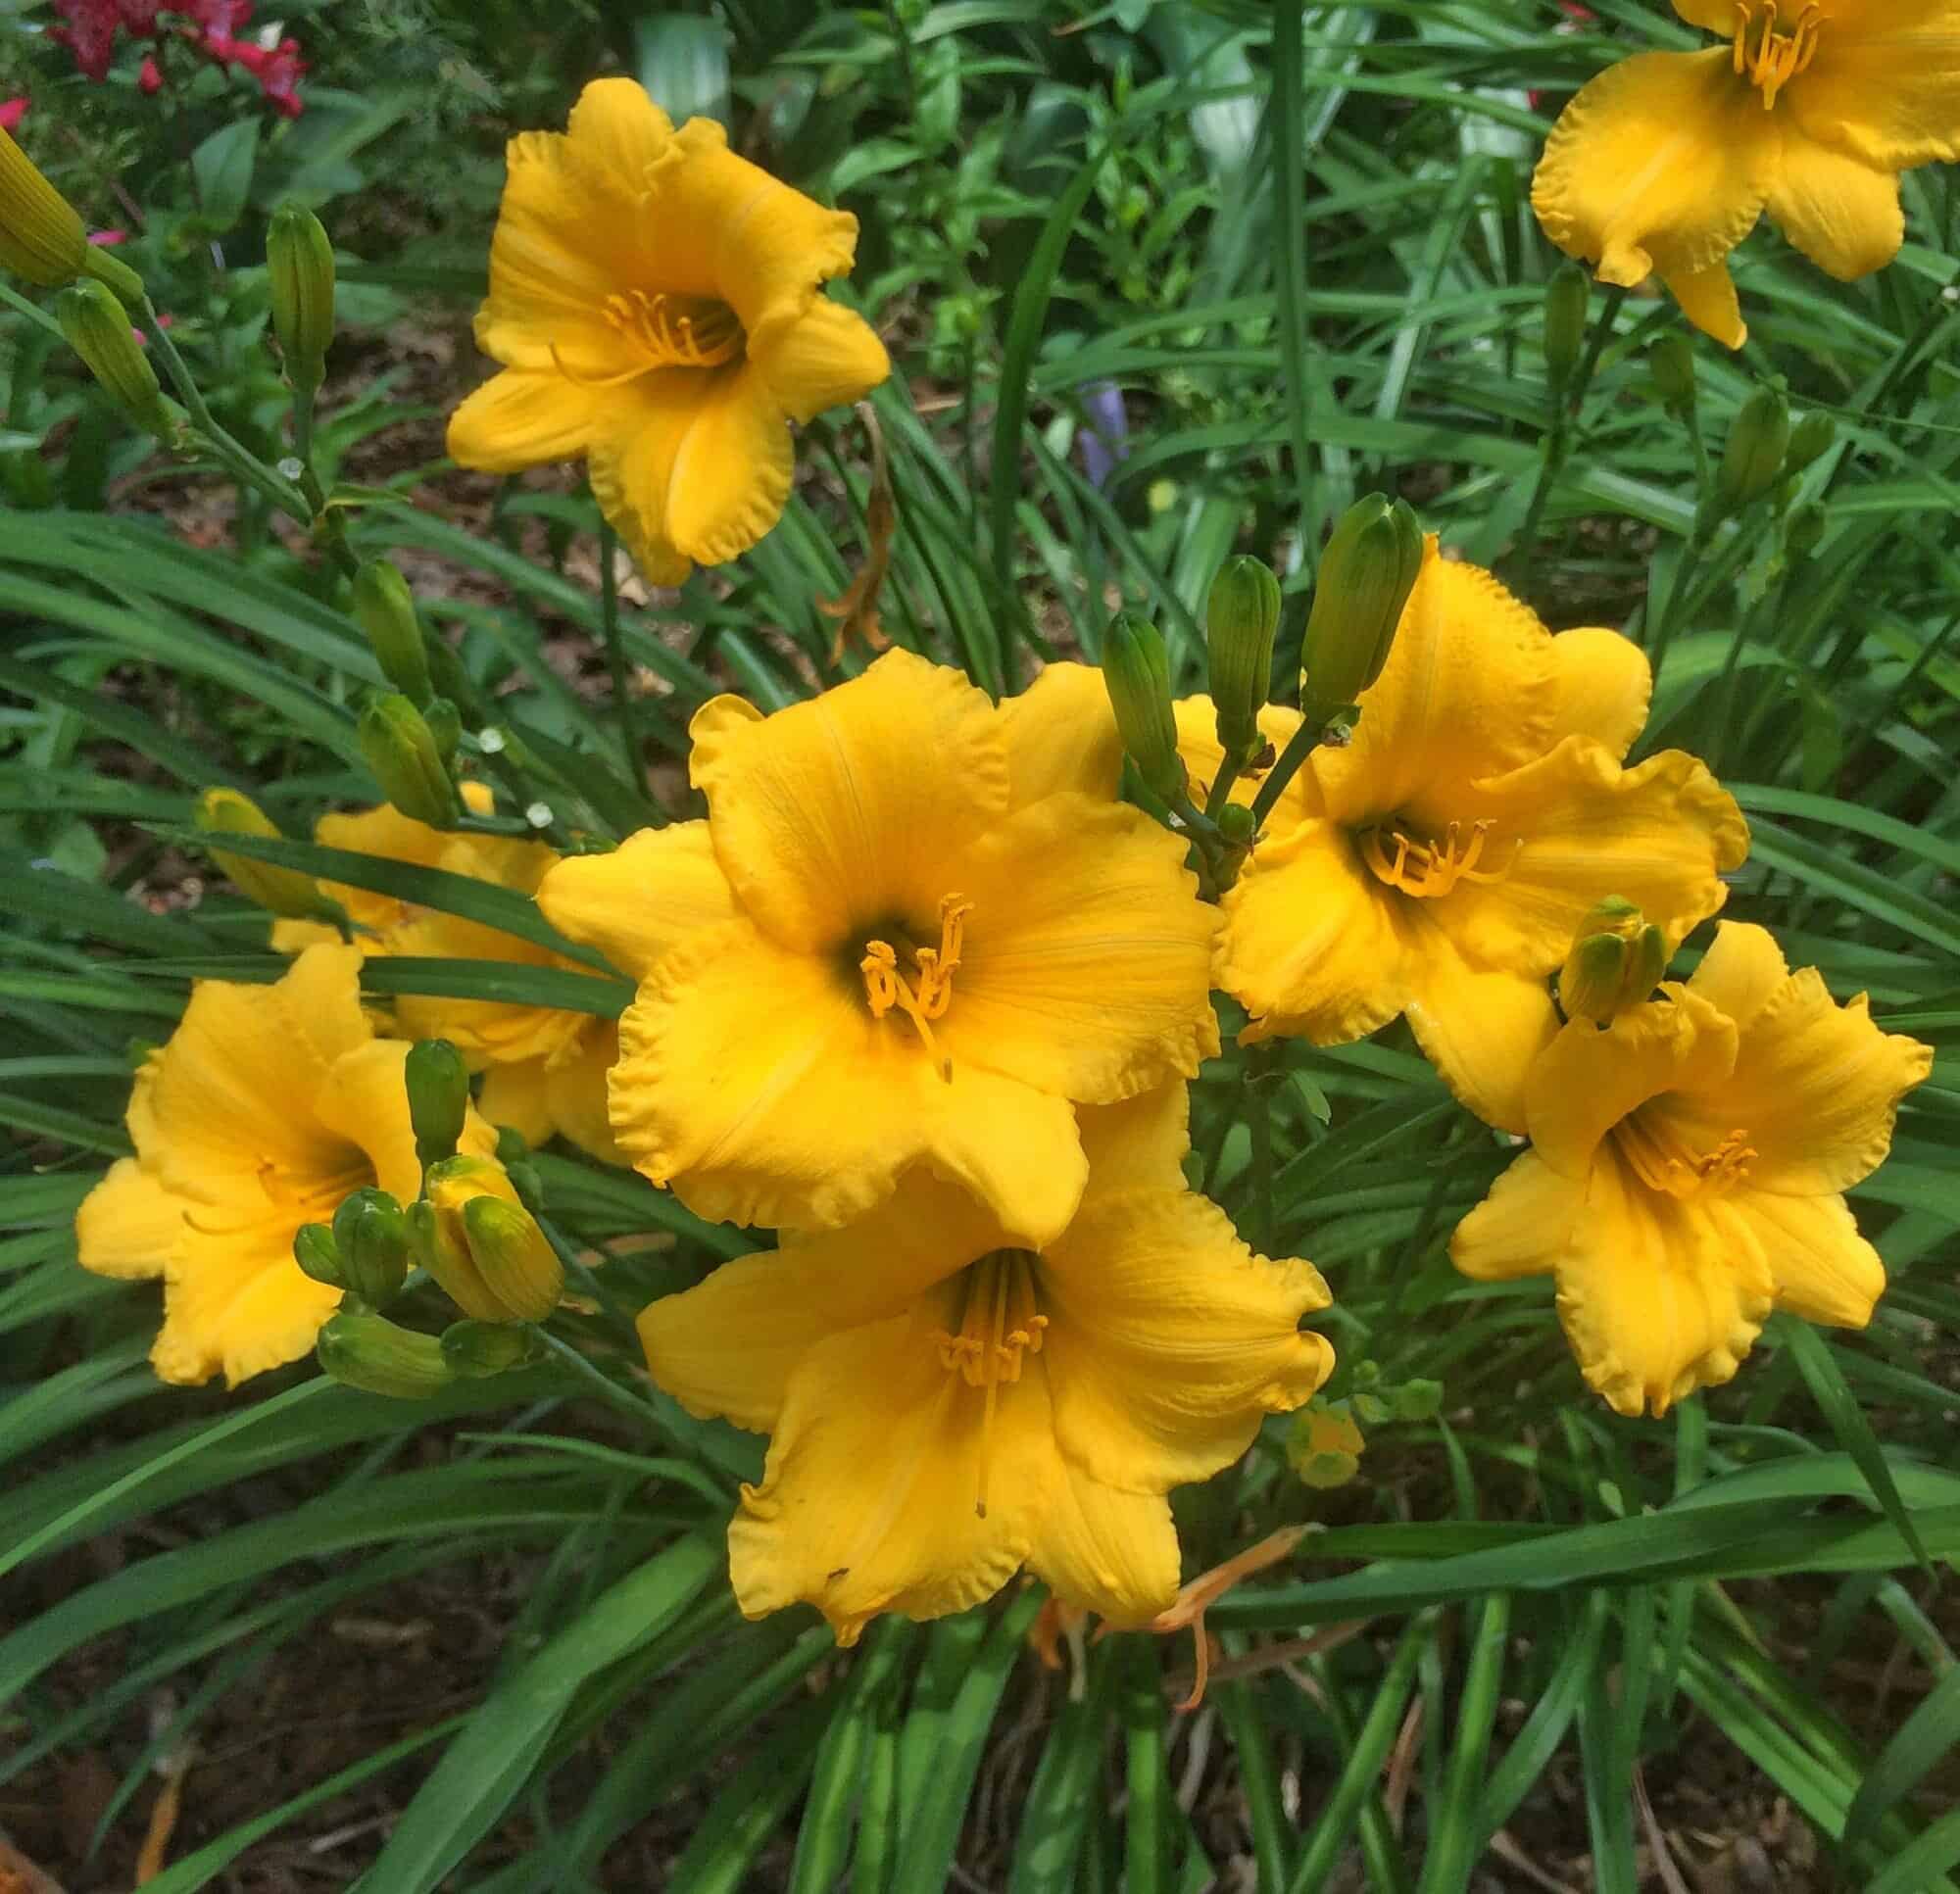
<point>1197,743</point>
<point>1313,946</point>
<point>837,815</point>
<point>631,463</point>
<point>128,1225</point>
<point>1588,1079</point>
<point>757,1083</point>
<point>641,900</point>
<point>730,1345</point>
<point>1087,954</point>
<point>295,936</point>
<point>237,1303</point>
<point>1602,683</point>
<point>518,1094</point>
<point>1658,1296</point>
<point>1884,85</point>
<point>619,130</point>
<point>1707,297</point>
<point>1816,1087</point>
<point>821,357</point>
<point>1479,1029</point>
<point>577,1084</point>
<point>1843,213</point>
<point>1061,735</point>
<point>867,1501</point>
<point>1467,692</point>
<point>1113,1553</point>
<point>1718,15</point>
<point>731,475</point>
<point>1138,1145</point>
<point>522,419</point>
<point>1523,1227</point>
<point>486,1032</point>
<point>1574,827</point>
<point>1741,971</point>
<point>1169,1341</point>
<point>1823,1270</point>
<point>1661,162</point>
<point>383,831</point>
<point>366,1101</point>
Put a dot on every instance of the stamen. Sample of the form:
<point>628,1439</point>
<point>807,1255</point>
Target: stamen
<point>885,986</point>
<point>999,1323</point>
<point>1772,59</point>
<point>1430,870</point>
<point>1662,1163</point>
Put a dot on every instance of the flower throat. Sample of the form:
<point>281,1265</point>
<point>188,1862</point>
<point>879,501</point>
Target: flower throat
<point>886,986</point>
<point>1770,59</point>
<point>1000,1322</point>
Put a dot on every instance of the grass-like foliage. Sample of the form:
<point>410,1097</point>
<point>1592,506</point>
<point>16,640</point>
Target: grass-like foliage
<point>1161,284</point>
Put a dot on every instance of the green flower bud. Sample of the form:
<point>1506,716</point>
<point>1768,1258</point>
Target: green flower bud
<point>1616,961</point>
<point>444,724</point>
<point>401,751</point>
<point>1565,299</point>
<point>1366,575</point>
<point>371,1353</point>
<point>1752,454</point>
<point>513,1257</point>
<point>370,1234</point>
<point>1810,440</point>
<point>438,1085</point>
<point>1419,1400</point>
<point>1671,362</point>
<point>1236,825</point>
<point>386,610</point>
<point>41,237</point>
<point>319,1255</point>
<point>1804,529</point>
<point>1241,618</point>
<point>299,267</point>
<point>1137,672</point>
<point>279,891</point>
<point>444,1246</point>
<point>475,1349</point>
<point>97,327</point>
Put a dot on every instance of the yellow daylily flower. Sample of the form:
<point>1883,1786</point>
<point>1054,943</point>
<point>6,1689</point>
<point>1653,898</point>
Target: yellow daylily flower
<point>914,927</point>
<point>545,1067</point>
<point>267,1107</point>
<point>1687,1171</point>
<point>1439,864</point>
<point>657,303</point>
<point>1662,164</point>
<point>946,1406</point>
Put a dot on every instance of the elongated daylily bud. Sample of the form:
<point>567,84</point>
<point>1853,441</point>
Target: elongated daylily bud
<point>97,327</point>
<point>299,266</point>
<point>401,750</point>
<point>1805,528</point>
<point>41,237</point>
<point>1810,439</point>
<point>1366,574</point>
<point>386,610</point>
<point>443,1244</point>
<point>1565,299</point>
<point>1137,673</point>
<point>371,1353</point>
<point>1241,618</point>
<point>438,1085</point>
<point>370,1236</point>
<point>279,891</point>
<point>1752,454</point>
<point>513,1257</point>
<point>319,1255</point>
<point>444,724</point>
<point>480,1348</point>
<point>1616,963</point>
<point>1671,362</point>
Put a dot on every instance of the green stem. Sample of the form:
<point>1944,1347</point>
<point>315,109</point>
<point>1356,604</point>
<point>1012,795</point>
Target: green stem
<point>630,735</point>
<point>1290,229</point>
<point>1300,746</point>
<point>1229,771</point>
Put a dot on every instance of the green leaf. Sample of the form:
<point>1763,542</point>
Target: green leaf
<point>221,169</point>
<point>1913,1753</point>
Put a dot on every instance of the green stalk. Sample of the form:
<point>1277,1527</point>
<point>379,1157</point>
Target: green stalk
<point>1300,746</point>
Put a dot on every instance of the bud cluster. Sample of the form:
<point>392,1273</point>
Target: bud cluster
<point>1616,961</point>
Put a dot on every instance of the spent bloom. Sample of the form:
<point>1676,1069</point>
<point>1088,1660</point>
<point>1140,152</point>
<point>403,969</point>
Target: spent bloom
<point>946,1405</point>
<point>656,303</point>
<point>914,927</point>
<point>1687,1171</point>
<point>267,1107</point>
<point>1662,164</point>
<point>1438,863</point>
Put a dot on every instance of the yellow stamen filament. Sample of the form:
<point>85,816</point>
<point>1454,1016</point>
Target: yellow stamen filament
<point>1000,1322</point>
<point>1770,59</point>
<point>1663,1163</point>
<point>667,332</point>
<point>885,986</point>
<point>1429,869</point>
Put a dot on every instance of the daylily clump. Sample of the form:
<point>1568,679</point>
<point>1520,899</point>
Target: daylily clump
<point>946,1403</point>
<point>656,303</point>
<point>1663,163</point>
<point>1438,863</point>
<point>267,1107</point>
<point>1687,1171</point>
<point>912,928</point>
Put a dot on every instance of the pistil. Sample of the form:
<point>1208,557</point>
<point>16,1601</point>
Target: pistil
<point>1427,869</point>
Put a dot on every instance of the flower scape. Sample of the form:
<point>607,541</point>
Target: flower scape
<point>897,1107</point>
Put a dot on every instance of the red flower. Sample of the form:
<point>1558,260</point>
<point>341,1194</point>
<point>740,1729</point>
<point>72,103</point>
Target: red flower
<point>11,115</point>
<point>277,69</point>
<point>89,33</point>
<point>150,81</point>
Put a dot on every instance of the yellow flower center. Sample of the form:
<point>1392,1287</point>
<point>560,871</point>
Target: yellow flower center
<point>885,988</point>
<point>1772,59</point>
<point>289,1200</point>
<point>1664,1162</point>
<point>666,332</point>
<point>1432,868</point>
<point>1000,1322</point>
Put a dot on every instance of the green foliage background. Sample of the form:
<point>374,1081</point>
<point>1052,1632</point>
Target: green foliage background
<point>1299,242</point>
